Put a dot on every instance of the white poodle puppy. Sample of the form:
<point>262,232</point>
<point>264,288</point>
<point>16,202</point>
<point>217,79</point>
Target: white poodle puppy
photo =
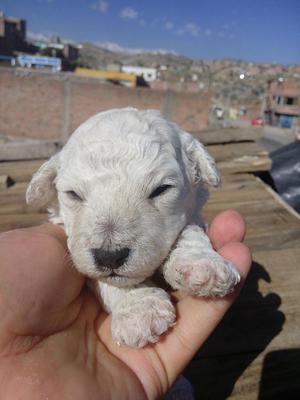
<point>128,187</point>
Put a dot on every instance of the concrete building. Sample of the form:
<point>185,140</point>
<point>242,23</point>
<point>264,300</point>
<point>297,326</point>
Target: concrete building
<point>12,34</point>
<point>282,104</point>
<point>70,52</point>
<point>67,51</point>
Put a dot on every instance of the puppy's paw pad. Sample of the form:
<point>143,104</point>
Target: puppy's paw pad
<point>135,325</point>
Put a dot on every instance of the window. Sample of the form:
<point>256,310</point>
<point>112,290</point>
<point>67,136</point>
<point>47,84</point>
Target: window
<point>291,101</point>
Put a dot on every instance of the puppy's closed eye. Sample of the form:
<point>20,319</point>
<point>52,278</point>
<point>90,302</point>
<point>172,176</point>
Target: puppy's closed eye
<point>159,191</point>
<point>73,195</point>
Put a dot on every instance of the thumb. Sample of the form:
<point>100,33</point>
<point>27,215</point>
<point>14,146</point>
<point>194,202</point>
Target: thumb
<point>39,289</point>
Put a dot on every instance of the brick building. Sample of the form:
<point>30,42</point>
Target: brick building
<point>282,105</point>
<point>12,34</point>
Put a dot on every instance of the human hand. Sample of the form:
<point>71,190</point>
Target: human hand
<point>55,340</point>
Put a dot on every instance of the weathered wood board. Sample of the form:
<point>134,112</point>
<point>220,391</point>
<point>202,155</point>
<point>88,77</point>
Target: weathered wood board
<point>254,353</point>
<point>20,171</point>
<point>229,135</point>
<point>28,150</point>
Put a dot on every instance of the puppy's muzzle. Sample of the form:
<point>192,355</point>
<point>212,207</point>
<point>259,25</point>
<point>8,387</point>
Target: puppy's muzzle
<point>110,259</point>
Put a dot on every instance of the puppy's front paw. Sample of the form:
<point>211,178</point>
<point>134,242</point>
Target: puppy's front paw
<point>137,323</point>
<point>208,276</point>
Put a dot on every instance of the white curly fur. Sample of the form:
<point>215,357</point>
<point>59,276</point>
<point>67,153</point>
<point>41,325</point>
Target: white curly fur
<point>114,162</point>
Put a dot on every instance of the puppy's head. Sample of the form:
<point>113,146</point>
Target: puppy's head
<point>125,184</point>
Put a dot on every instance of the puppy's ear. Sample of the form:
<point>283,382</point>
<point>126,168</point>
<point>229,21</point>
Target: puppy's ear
<point>41,188</point>
<point>202,166</point>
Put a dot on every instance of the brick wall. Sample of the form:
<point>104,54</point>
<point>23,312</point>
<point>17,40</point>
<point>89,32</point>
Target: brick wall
<point>50,106</point>
<point>31,105</point>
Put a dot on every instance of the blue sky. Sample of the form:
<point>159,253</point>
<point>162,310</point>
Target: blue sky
<point>254,30</point>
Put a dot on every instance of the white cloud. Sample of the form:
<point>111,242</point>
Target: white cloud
<point>39,37</point>
<point>190,28</point>
<point>129,13</point>
<point>207,32</point>
<point>46,37</point>
<point>193,29</point>
<point>155,22</point>
<point>101,6</point>
<point>116,48</point>
<point>169,25</point>
<point>46,1</point>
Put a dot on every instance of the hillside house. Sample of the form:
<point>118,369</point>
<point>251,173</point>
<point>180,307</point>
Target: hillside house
<point>282,104</point>
<point>149,74</point>
<point>12,34</point>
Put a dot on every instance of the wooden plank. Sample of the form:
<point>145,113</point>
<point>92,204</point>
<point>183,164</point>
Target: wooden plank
<point>243,192</point>
<point>28,150</point>
<point>250,350</point>
<point>20,171</point>
<point>16,189</point>
<point>238,192</point>
<point>272,318</point>
<point>270,223</point>
<point>14,221</point>
<point>228,135</point>
<point>245,207</point>
<point>19,207</point>
<point>245,164</point>
<point>244,189</point>
<point>280,238</point>
<point>267,223</point>
<point>272,228</point>
<point>251,207</point>
<point>12,200</point>
<point>235,361</point>
<point>247,376</point>
<point>232,151</point>
<point>231,159</point>
<point>5,182</point>
<point>238,178</point>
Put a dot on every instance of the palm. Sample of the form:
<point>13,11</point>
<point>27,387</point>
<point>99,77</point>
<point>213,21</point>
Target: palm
<point>55,342</point>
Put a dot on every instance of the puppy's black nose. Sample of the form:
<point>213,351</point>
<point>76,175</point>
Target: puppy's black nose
<point>110,259</point>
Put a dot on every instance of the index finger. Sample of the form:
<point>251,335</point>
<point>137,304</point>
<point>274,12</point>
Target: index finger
<point>228,226</point>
